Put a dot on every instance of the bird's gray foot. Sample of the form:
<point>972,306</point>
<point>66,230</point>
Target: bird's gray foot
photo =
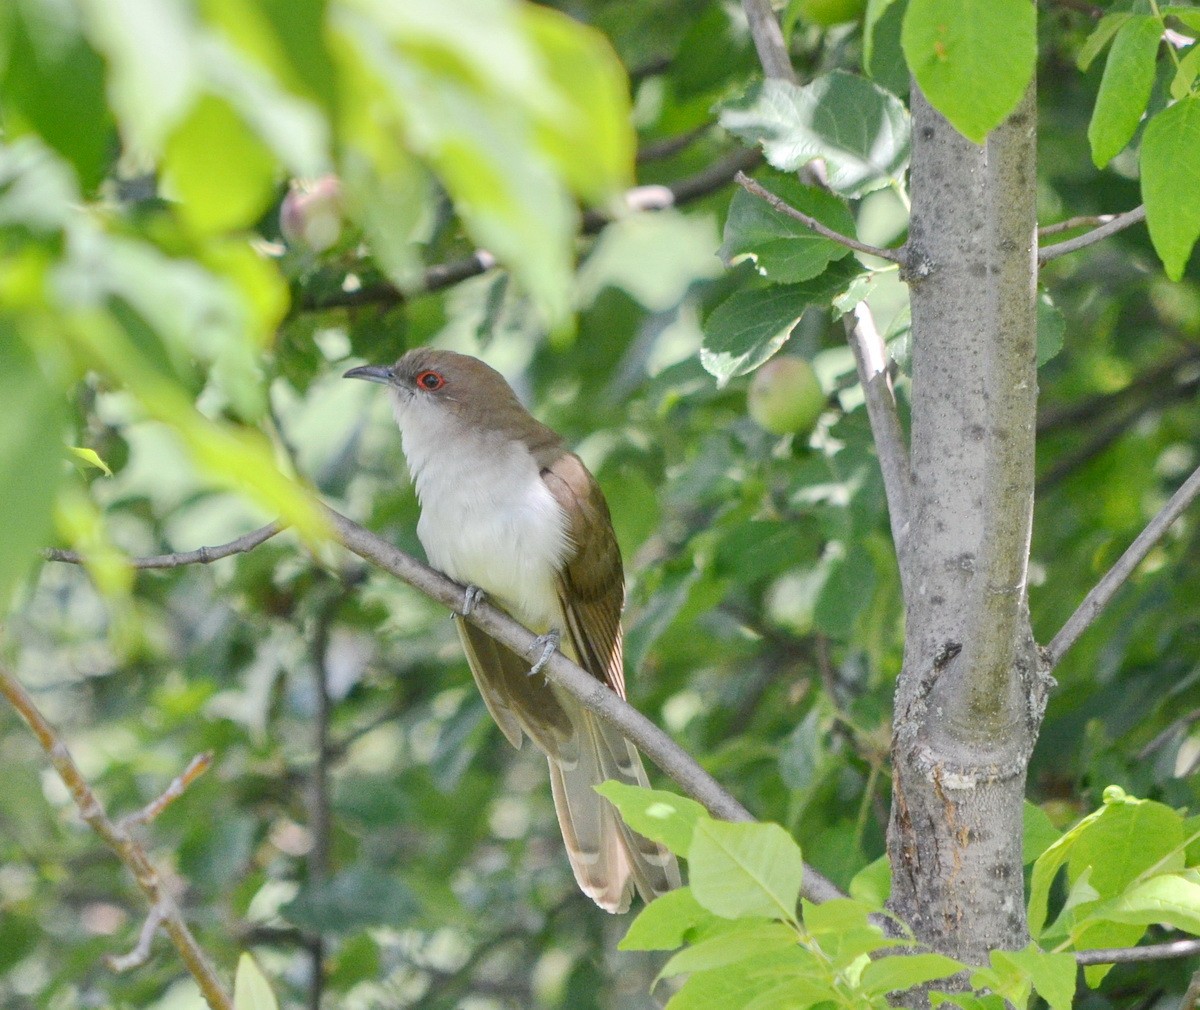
<point>471,599</point>
<point>548,643</point>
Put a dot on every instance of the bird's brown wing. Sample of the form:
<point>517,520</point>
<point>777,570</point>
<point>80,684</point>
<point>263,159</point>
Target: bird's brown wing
<point>592,583</point>
<point>609,859</point>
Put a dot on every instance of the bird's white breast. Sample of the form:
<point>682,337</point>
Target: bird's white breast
<point>487,517</point>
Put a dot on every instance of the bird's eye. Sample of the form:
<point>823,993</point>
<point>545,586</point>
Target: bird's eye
<point>430,380</point>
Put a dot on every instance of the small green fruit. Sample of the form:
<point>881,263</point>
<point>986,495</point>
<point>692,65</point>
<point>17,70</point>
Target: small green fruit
<point>785,397</point>
<point>826,13</point>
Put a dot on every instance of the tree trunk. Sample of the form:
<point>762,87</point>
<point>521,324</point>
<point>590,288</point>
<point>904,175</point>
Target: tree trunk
<point>970,696</point>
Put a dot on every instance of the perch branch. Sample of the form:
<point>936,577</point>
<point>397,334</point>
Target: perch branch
<point>647,737</point>
<point>127,848</point>
<point>812,224</point>
<point>1116,223</point>
<point>1104,590</point>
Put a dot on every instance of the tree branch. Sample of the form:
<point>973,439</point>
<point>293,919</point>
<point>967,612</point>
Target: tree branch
<point>1114,224</point>
<point>1128,955</point>
<point>127,848</point>
<point>674,761</point>
<point>811,223</point>
<point>1115,577</point>
<point>870,355</point>
<point>200,556</point>
<point>768,40</point>
<point>443,275</point>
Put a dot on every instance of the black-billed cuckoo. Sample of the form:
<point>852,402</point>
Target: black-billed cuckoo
<point>508,510</point>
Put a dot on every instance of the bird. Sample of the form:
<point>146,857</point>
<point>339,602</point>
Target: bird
<point>509,511</point>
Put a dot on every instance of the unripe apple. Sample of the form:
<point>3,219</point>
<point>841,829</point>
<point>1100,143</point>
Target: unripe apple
<point>785,397</point>
<point>826,13</point>
<point>311,214</point>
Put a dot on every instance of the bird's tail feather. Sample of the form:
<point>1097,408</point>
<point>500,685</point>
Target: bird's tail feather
<point>608,857</point>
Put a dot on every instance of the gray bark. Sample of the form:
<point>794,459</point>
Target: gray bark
<point>970,696</point>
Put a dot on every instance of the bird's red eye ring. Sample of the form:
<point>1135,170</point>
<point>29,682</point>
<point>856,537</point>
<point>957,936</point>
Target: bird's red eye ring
<point>430,380</point>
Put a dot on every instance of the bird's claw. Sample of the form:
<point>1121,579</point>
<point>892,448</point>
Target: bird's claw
<point>471,599</point>
<point>548,643</point>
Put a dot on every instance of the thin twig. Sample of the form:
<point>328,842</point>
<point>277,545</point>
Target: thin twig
<point>870,356</point>
<point>200,556</point>
<point>674,761</point>
<point>141,951</point>
<point>1128,955</point>
<point>666,147</point>
<point>768,40</point>
<point>443,275</point>
<point>126,847</point>
<point>196,767</point>
<point>1072,415</point>
<point>1117,222</point>
<point>1115,577</point>
<point>708,180</point>
<point>1164,737</point>
<point>811,223</point>
<point>1071,223</point>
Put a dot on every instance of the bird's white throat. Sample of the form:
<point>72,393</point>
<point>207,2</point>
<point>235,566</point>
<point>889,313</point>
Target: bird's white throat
<point>487,517</point>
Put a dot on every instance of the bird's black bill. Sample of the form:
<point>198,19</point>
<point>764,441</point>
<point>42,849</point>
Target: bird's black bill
<point>372,373</point>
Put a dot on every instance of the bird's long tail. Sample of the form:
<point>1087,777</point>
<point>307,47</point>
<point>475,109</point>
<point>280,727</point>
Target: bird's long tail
<point>609,858</point>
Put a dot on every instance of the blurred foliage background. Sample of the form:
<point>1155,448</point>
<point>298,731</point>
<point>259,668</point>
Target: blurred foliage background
<point>362,812</point>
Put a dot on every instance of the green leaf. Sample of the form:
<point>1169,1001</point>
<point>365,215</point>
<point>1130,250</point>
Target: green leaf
<point>968,1001</point>
<point>747,328</point>
<point>973,59</point>
<point>860,131</point>
<point>1125,87</point>
<point>665,923</point>
<point>784,250</point>
<point>876,9</point>
<point>1185,77</point>
<point>91,458</point>
<point>153,72</point>
<point>251,990</point>
<point>899,973</point>
<point>1051,325</point>
<point>654,257</point>
<point>1170,166</point>
<point>1052,975</point>
<point>591,139</point>
<point>1190,16</point>
<point>52,83</point>
<point>221,173</point>
<point>872,885</point>
<point>1039,833</point>
<point>735,985</point>
<point>745,870</point>
<point>750,326</point>
<point>1167,898</point>
<point>749,940</point>
<point>1131,838</point>
<point>835,916</point>
<point>1101,36</point>
<point>661,816</point>
<point>31,463</point>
